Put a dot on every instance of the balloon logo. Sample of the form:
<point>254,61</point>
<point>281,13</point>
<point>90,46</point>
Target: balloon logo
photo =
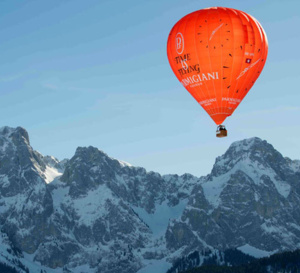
<point>179,43</point>
<point>217,54</point>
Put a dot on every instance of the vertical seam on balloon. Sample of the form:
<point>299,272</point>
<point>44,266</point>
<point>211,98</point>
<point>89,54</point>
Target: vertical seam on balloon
<point>257,26</point>
<point>225,61</point>
<point>221,76</point>
<point>252,73</point>
<point>264,35</point>
<point>247,76</point>
<point>262,55</point>
<point>242,63</point>
<point>211,110</point>
<point>264,41</point>
<point>266,45</point>
<point>254,76</point>
<point>216,112</point>
<point>190,17</point>
<point>233,56</point>
<point>186,23</point>
<point>241,66</point>
<point>206,94</point>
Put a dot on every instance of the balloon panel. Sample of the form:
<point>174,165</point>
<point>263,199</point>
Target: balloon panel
<point>217,54</point>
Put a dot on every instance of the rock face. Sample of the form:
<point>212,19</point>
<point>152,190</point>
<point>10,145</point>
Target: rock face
<point>25,202</point>
<point>251,197</point>
<point>93,213</point>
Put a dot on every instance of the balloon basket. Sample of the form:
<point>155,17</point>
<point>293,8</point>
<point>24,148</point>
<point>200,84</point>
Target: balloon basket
<point>221,131</point>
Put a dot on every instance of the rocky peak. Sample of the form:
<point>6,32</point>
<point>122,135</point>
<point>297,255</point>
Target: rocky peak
<point>16,154</point>
<point>88,168</point>
<point>51,161</point>
<point>25,201</point>
<point>247,153</point>
<point>18,135</point>
<point>253,148</point>
<point>294,164</point>
<point>104,215</point>
<point>91,156</point>
<point>251,165</point>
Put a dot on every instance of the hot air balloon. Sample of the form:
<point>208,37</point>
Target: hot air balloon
<point>217,54</point>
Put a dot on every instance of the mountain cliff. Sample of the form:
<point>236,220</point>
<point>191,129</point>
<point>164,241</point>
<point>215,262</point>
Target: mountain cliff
<point>94,213</point>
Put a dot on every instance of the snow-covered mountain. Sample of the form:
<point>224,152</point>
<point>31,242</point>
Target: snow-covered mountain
<point>93,213</point>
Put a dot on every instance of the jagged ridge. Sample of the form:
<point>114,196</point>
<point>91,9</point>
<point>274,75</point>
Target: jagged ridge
<point>104,215</point>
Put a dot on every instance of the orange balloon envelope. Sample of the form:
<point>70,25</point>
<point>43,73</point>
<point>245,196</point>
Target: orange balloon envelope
<point>217,54</point>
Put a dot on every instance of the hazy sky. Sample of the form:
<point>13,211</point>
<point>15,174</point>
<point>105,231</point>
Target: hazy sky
<point>79,73</point>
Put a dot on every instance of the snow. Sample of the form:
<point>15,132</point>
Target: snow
<point>156,266</point>
<point>5,256</point>
<point>124,163</point>
<point>253,169</point>
<point>255,252</point>
<point>269,227</point>
<point>183,183</point>
<point>13,202</point>
<point>243,145</point>
<point>83,268</point>
<point>53,158</point>
<point>8,130</point>
<point>36,267</point>
<point>159,220</point>
<point>4,146</point>
<point>272,228</point>
<point>295,165</point>
<point>92,206</point>
<point>59,194</point>
<point>95,169</point>
<point>33,266</point>
<point>4,181</point>
<point>121,181</point>
<point>213,189</point>
<point>294,226</point>
<point>256,196</point>
<point>282,187</point>
<point>51,173</point>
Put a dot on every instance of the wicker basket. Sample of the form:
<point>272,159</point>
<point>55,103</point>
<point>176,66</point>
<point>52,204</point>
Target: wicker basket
<point>221,131</point>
